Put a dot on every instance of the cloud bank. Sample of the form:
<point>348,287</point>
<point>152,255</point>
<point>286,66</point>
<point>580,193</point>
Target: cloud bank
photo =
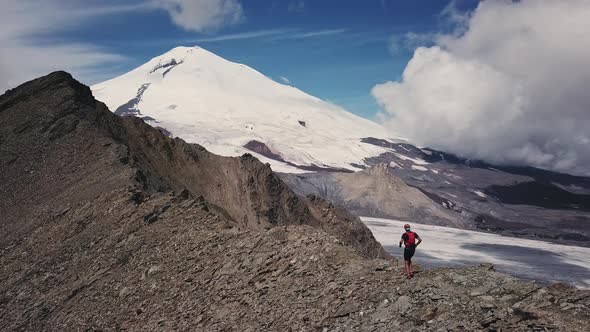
<point>511,88</point>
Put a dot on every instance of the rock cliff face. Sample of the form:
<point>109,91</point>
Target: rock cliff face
<point>107,224</point>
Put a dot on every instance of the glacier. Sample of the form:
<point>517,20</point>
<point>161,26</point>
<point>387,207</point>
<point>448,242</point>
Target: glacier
<point>529,259</point>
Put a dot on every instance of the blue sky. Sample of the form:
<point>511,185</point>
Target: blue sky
<point>336,50</point>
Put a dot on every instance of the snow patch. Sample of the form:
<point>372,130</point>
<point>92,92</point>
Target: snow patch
<point>414,160</point>
<point>393,164</point>
<point>419,168</point>
<point>479,193</point>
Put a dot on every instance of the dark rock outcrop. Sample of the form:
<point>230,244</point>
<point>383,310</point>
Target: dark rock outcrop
<point>130,107</point>
<point>263,150</point>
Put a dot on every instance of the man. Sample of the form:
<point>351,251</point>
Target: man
<point>409,240</point>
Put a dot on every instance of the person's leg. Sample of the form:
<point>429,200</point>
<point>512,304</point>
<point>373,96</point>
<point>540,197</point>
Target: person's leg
<point>411,252</point>
<point>407,261</point>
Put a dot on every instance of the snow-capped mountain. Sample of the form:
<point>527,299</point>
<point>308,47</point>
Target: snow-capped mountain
<point>231,109</point>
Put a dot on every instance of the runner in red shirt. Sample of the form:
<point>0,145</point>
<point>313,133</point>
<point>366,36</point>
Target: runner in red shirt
<point>409,240</point>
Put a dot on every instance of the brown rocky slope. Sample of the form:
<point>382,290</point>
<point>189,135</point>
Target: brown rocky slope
<point>109,225</point>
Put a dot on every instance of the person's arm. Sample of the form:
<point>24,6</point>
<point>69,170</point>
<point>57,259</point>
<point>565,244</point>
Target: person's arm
<point>419,240</point>
<point>400,242</point>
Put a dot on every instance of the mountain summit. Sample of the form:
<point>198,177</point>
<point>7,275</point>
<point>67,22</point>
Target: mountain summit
<point>230,109</point>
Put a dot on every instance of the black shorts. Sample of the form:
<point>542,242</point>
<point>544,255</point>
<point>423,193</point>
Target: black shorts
<point>409,253</point>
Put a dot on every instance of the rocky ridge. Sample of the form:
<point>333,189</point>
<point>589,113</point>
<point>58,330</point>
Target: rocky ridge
<point>110,225</point>
<point>54,124</point>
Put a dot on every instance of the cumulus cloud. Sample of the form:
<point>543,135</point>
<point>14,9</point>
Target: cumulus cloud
<point>202,15</point>
<point>511,88</point>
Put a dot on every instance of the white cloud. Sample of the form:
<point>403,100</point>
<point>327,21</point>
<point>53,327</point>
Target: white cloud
<point>297,6</point>
<point>28,47</point>
<point>202,15</point>
<point>24,53</point>
<point>453,16</point>
<point>284,80</point>
<point>511,88</point>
